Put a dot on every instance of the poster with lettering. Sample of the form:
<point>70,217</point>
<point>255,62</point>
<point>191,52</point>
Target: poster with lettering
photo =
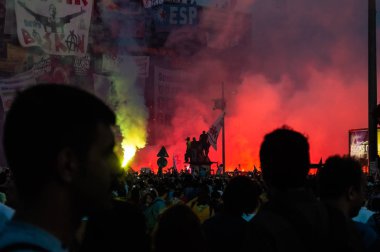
<point>53,69</point>
<point>82,65</point>
<point>57,27</point>
<point>168,84</point>
<point>358,148</point>
<point>169,16</point>
<point>42,65</point>
<point>358,139</point>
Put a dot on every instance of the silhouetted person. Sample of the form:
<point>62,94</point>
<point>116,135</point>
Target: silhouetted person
<point>178,229</point>
<point>342,187</point>
<point>219,171</point>
<point>201,204</point>
<point>120,229</point>
<point>188,150</point>
<point>292,219</point>
<point>194,146</point>
<point>203,140</point>
<point>59,145</point>
<point>226,230</point>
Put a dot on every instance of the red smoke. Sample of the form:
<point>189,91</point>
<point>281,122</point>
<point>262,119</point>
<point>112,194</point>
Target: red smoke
<point>305,66</point>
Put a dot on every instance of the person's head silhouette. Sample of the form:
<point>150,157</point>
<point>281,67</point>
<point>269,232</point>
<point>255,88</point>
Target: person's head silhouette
<point>59,145</point>
<point>285,158</point>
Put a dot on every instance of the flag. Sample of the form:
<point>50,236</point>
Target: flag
<point>213,132</point>
<point>219,104</point>
<point>175,161</point>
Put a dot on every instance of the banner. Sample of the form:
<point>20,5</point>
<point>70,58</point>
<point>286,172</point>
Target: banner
<point>214,130</point>
<point>82,65</point>
<point>10,86</point>
<point>171,16</point>
<point>42,65</point>
<point>54,69</point>
<point>152,3</point>
<point>167,85</point>
<point>114,64</point>
<point>57,27</point>
<point>142,63</point>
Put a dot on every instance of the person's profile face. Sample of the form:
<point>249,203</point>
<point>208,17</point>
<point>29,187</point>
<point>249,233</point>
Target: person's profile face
<point>360,197</point>
<point>148,199</point>
<point>100,170</point>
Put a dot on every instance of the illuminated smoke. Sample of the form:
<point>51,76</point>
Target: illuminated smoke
<point>126,96</point>
<point>304,65</point>
<point>131,113</point>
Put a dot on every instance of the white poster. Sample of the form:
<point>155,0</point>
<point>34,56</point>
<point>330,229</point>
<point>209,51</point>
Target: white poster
<point>58,27</point>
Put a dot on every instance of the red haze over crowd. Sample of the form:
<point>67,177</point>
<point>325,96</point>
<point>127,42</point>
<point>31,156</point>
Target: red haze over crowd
<point>305,66</point>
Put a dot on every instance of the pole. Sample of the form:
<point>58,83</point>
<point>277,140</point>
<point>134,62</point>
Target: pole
<point>372,87</point>
<point>223,131</point>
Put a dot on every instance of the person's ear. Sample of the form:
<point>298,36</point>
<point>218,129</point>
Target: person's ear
<point>352,193</point>
<point>67,165</point>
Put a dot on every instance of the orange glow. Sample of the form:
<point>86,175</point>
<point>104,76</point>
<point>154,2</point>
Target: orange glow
<point>313,171</point>
<point>365,169</point>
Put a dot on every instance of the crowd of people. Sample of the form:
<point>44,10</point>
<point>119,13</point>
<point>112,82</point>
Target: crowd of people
<point>65,191</point>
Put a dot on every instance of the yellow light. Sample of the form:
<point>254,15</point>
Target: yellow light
<point>129,152</point>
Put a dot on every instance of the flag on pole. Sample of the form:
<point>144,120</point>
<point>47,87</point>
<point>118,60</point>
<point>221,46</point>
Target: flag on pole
<point>219,104</point>
<point>175,163</point>
<point>214,130</point>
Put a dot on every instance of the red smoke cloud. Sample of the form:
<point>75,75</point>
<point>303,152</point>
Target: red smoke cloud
<point>305,66</point>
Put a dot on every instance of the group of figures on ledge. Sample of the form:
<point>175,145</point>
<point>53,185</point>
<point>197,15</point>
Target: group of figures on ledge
<point>197,151</point>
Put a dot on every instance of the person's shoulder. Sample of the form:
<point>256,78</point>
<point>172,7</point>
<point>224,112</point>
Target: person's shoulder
<point>366,230</point>
<point>20,236</point>
<point>6,211</point>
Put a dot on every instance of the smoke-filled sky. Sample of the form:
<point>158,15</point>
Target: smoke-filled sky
<point>305,66</point>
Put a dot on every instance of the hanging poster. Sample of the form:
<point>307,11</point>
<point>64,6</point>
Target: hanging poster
<point>168,84</point>
<point>169,16</point>
<point>58,27</point>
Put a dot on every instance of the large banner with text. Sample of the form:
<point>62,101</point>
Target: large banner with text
<point>57,27</point>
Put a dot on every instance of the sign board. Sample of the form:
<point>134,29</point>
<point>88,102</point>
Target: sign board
<point>358,145</point>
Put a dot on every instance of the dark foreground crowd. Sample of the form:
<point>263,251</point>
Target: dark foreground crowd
<point>68,193</point>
